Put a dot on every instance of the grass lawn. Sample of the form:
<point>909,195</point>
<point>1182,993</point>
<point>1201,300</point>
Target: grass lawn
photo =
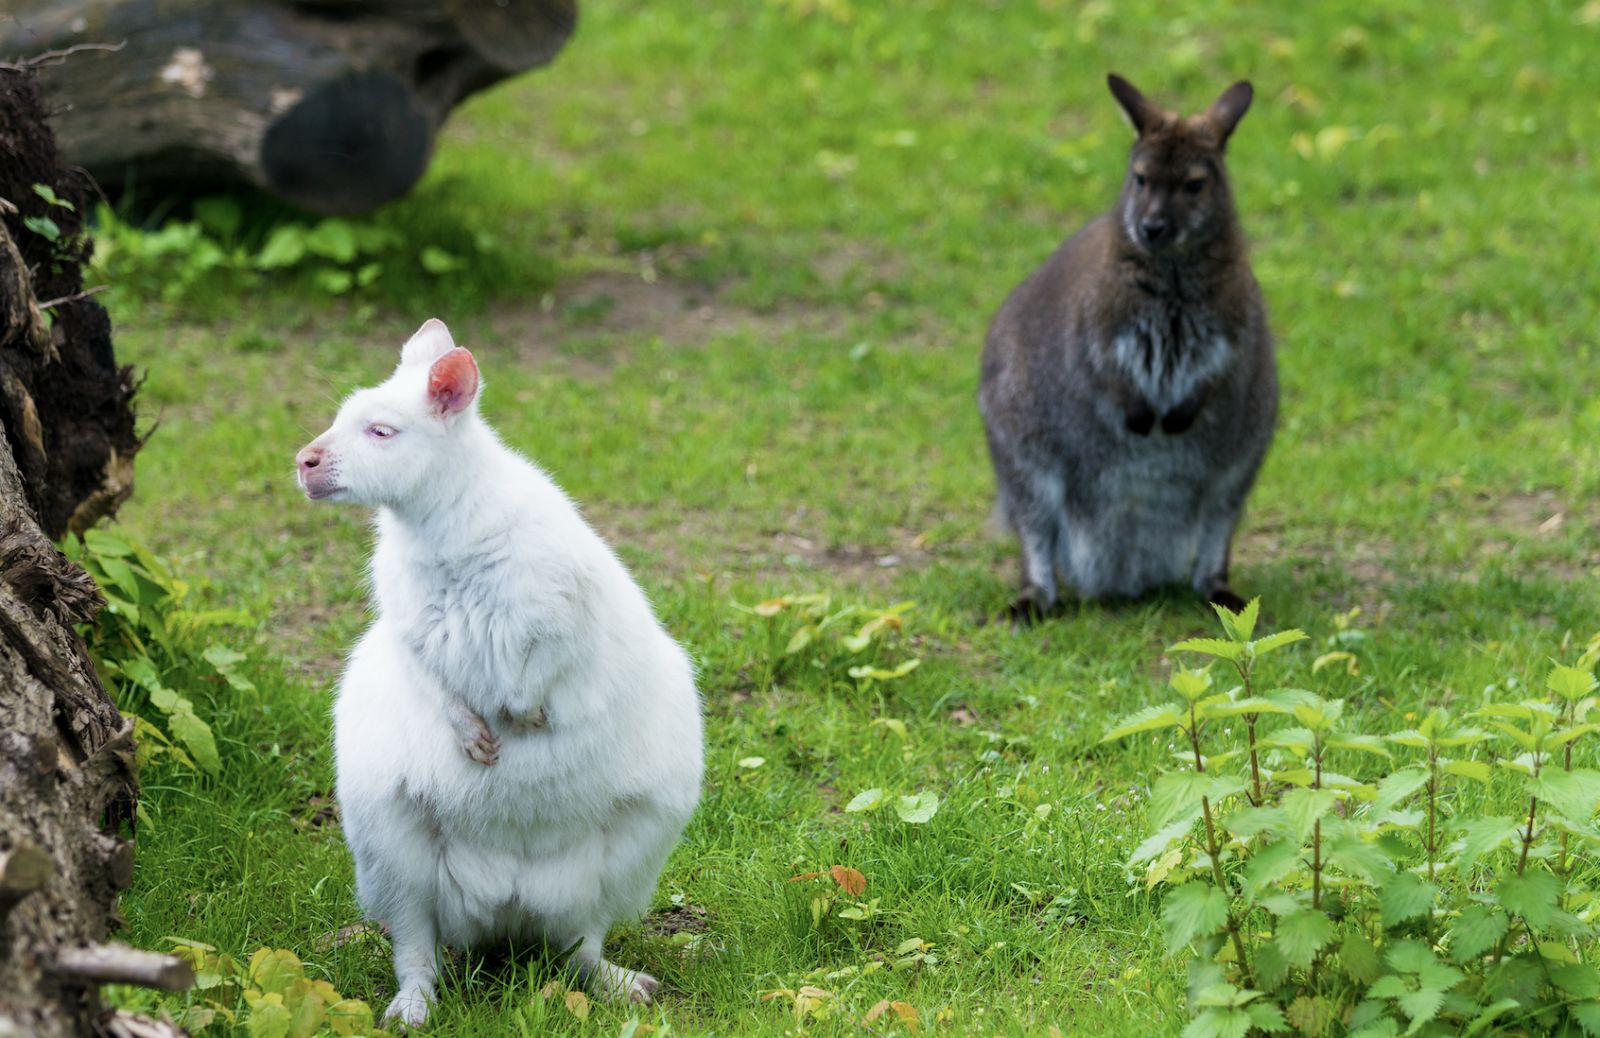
<point>744,256</point>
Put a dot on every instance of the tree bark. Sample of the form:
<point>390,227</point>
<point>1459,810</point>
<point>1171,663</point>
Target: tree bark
<point>331,105</point>
<point>67,785</point>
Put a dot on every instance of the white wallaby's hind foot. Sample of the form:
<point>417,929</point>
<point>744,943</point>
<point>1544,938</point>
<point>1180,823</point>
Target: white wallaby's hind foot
<point>606,980</point>
<point>410,1006</point>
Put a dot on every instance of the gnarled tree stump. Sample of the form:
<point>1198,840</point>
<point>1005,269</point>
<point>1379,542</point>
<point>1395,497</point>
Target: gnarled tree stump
<point>67,786</point>
<point>331,105</point>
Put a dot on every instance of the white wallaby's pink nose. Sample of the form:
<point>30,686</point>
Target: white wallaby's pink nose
<point>318,475</point>
<point>309,458</point>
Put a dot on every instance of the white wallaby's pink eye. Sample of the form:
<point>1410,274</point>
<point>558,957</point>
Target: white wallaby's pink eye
<point>379,431</point>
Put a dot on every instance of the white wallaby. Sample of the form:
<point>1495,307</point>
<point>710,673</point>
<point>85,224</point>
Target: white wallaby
<point>518,740</point>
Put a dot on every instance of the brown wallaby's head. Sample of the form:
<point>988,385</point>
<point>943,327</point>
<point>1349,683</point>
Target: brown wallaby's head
<point>1176,195</point>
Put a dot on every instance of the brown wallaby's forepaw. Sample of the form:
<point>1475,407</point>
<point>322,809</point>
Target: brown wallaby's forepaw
<point>1224,597</point>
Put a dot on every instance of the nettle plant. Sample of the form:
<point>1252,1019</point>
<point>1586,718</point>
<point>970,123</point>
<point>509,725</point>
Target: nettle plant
<point>1331,881</point>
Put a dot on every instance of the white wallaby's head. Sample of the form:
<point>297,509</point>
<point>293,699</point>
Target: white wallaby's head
<point>389,443</point>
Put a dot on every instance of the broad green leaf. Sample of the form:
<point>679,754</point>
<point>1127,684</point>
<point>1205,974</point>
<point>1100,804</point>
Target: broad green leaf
<point>1532,895</point>
<point>48,193</point>
<point>1269,966</point>
<point>196,737</point>
<point>1272,642</point>
<point>1219,1023</point>
<point>866,800</point>
<point>1267,1017</point>
<point>1157,843</point>
<point>1398,785</point>
<point>285,247</point>
<point>219,214</point>
<point>1588,1016</point>
<point>274,970</point>
<point>800,639</point>
<point>1241,625</point>
<point>1406,896</point>
<point>1571,793</point>
<point>1300,935</point>
<point>1351,854</point>
<point>437,261</point>
<point>1578,979</point>
<point>918,808</point>
<point>1151,718</point>
<point>1478,837</point>
<point>1253,821</point>
<point>1252,705</point>
<point>1476,770</point>
<point>1409,956</point>
<point>1269,865</point>
<point>880,674</point>
<point>1305,807</point>
<point>1562,736</point>
<point>269,1018</point>
<point>1359,957</point>
<point>1192,910</point>
<point>1570,683</point>
<point>1421,1006</point>
<point>333,239</point>
<point>1191,683</point>
<point>1296,740</point>
<point>1384,1028</point>
<point>1475,931</point>
<point>1217,647</point>
<point>1360,743</point>
<point>350,1017</point>
<point>1489,1015</point>
<point>1311,1015</point>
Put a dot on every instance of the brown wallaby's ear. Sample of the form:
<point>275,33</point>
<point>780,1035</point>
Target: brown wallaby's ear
<point>1142,115</point>
<point>1225,113</point>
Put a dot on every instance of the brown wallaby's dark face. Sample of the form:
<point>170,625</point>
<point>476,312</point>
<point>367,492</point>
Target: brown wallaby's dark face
<point>1176,195</point>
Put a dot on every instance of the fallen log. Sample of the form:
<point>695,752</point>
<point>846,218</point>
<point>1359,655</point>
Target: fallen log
<point>331,105</point>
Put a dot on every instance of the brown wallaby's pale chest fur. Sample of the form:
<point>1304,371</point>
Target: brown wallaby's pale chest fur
<point>1129,389</point>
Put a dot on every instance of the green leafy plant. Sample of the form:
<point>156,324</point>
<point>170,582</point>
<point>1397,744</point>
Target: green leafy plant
<point>816,632</point>
<point>153,651</point>
<point>270,998</point>
<point>1443,896</point>
<point>334,255</point>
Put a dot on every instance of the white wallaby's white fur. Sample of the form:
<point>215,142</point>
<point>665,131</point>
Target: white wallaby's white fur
<point>518,739</point>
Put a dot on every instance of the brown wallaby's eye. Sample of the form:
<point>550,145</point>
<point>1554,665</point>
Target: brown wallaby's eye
<point>1195,186</point>
<point>1138,178</point>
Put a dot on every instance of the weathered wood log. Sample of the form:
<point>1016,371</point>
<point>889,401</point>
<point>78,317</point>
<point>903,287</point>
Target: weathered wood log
<point>331,105</point>
<point>67,785</point>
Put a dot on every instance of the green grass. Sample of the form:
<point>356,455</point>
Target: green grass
<point>851,197</point>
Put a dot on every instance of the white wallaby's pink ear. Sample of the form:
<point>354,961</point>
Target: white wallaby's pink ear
<point>452,383</point>
<point>430,342</point>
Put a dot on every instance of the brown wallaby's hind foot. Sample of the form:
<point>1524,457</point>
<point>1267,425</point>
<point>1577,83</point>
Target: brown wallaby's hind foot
<point>1030,606</point>
<point>1225,597</point>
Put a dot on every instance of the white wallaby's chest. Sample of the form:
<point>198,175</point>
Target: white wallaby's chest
<point>1169,353</point>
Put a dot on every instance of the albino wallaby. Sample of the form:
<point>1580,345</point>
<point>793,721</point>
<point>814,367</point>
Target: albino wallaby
<point>1129,389</point>
<point>517,739</point>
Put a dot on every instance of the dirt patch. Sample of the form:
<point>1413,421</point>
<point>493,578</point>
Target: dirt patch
<point>680,919</point>
<point>629,306</point>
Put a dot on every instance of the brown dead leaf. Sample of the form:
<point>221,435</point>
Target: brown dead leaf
<point>851,881</point>
<point>578,1004</point>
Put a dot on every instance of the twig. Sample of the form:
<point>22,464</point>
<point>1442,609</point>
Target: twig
<point>56,57</point>
<point>85,294</point>
<point>120,964</point>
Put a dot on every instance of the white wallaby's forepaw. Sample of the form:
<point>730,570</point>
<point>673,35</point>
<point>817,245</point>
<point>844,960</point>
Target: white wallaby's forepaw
<point>410,1008</point>
<point>483,747</point>
<point>477,739</point>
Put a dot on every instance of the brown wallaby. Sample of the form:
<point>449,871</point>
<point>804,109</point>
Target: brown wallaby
<point>1129,389</point>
